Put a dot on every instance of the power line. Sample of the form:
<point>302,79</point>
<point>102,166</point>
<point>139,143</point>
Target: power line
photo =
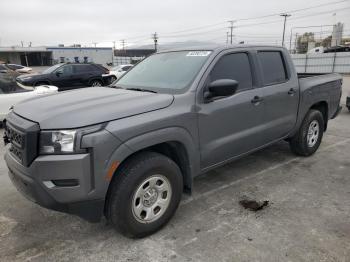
<point>293,11</point>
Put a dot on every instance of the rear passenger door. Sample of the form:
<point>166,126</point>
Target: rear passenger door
<point>83,74</point>
<point>230,126</point>
<point>280,94</point>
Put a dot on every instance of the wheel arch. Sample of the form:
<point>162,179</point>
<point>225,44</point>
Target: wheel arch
<point>175,143</point>
<point>322,106</point>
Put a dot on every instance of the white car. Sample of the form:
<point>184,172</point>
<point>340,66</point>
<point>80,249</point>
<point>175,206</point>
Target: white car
<point>10,97</point>
<point>118,71</point>
<point>20,68</point>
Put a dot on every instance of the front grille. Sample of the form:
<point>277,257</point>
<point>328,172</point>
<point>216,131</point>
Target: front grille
<point>23,136</point>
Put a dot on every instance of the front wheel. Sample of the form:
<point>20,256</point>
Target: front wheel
<point>144,195</point>
<point>310,134</point>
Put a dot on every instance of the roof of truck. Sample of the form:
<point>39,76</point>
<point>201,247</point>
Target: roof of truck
<point>218,47</point>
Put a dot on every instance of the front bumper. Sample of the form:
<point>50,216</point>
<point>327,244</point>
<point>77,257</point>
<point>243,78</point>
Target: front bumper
<point>38,183</point>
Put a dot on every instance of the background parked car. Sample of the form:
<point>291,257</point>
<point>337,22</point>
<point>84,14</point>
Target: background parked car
<point>118,71</point>
<point>20,68</point>
<point>68,76</point>
<point>11,93</point>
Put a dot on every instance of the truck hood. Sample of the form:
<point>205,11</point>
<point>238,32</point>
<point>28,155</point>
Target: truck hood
<point>89,106</point>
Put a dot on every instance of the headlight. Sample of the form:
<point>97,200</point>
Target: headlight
<point>26,78</point>
<point>65,141</point>
<point>57,142</point>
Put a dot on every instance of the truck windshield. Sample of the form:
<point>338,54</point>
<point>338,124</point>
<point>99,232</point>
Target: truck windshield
<point>171,72</point>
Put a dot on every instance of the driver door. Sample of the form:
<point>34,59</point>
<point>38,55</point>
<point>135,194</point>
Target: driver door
<point>230,126</point>
<point>63,77</point>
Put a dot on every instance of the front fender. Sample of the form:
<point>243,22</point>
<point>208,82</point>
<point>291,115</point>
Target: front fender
<point>149,139</point>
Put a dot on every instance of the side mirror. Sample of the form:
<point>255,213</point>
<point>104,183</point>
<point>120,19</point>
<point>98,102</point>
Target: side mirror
<point>58,73</point>
<point>221,88</point>
<point>3,71</point>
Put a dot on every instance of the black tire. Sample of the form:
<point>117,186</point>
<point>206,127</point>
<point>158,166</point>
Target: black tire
<point>112,79</point>
<point>349,108</point>
<point>299,143</point>
<point>128,180</point>
<point>96,83</point>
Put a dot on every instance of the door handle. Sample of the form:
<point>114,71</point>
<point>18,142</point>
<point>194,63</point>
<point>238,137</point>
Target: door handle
<point>256,100</point>
<point>291,91</point>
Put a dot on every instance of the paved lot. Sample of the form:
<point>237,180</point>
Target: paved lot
<point>308,218</point>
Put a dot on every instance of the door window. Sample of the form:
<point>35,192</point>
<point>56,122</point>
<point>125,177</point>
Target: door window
<point>236,67</point>
<point>67,70</point>
<point>273,67</point>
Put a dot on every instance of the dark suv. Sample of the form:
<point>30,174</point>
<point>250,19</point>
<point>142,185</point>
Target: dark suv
<point>68,76</point>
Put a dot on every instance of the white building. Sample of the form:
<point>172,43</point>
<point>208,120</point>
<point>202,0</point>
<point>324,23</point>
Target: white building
<point>98,55</point>
<point>45,56</point>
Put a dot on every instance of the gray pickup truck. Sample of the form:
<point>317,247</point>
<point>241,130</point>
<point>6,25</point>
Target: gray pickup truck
<point>129,151</point>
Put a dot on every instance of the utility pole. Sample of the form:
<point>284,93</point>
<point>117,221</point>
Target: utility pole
<point>296,43</point>
<point>227,35</point>
<point>122,42</point>
<point>94,44</point>
<point>155,39</point>
<point>285,15</point>
<point>231,29</point>
<point>22,43</point>
<point>113,50</point>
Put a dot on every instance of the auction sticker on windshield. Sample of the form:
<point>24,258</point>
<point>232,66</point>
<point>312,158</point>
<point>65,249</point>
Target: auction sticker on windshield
<point>198,53</point>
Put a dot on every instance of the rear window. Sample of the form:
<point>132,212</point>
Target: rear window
<point>273,67</point>
<point>100,68</point>
<point>83,68</point>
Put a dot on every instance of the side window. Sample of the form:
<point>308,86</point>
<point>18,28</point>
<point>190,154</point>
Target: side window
<point>273,67</point>
<point>236,67</point>
<point>83,68</point>
<point>65,70</point>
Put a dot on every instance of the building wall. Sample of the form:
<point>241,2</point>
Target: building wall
<point>97,55</point>
<point>13,58</point>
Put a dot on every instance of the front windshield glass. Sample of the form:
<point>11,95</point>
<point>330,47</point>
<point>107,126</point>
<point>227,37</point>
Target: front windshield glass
<point>165,72</point>
<point>51,69</point>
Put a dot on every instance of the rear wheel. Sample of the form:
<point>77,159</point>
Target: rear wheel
<point>310,134</point>
<point>144,195</point>
<point>96,83</point>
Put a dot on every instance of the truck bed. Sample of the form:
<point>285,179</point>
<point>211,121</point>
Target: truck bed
<point>321,87</point>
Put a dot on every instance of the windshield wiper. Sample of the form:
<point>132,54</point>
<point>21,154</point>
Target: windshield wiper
<point>140,89</point>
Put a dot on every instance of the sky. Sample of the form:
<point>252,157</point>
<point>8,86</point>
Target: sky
<point>85,22</point>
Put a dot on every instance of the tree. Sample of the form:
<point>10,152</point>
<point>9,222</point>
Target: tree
<point>303,42</point>
<point>327,42</point>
